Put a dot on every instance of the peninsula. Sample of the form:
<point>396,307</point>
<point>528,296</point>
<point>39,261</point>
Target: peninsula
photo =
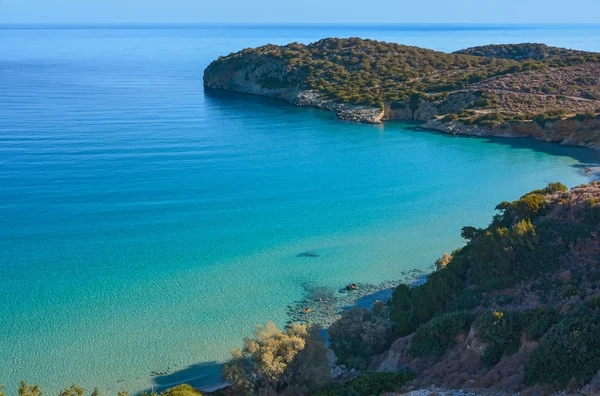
<point>515,90</point>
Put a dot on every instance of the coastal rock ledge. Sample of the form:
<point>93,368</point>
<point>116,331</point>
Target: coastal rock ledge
<point>517,90</point>
<point>244,80</point>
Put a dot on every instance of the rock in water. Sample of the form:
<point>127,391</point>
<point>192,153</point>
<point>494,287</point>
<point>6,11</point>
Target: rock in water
<point>307,254</point>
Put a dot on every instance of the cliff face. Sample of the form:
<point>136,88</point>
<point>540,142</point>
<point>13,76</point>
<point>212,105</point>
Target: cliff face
<point>424,108</point>
<point>250,78</point>
<point>569,132</point>
<point>268,79</point>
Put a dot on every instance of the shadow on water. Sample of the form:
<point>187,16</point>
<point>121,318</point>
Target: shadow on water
<point>200,376</point>
<point>585,156</point>
<point>222,97</point>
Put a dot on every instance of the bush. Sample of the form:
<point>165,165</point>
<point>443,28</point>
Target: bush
<point>359,334</point>
<point>439,334</point>
<point>443,261</point>
<point>182,390</point>
<point>571,349</point>
<point>276,360</point>
<point>368,384</point>
<point>536,322</point>
<point>529,205</point>
<point>491,120</point>
<point>550,116</point>
<point>412,307</point>
<point>501,330</point>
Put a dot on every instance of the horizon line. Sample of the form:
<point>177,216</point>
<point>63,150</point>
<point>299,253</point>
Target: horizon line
<point>104,23</point>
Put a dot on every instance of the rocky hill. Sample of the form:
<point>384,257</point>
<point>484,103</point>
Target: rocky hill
<point>516,310</point>
<point>507,90</point>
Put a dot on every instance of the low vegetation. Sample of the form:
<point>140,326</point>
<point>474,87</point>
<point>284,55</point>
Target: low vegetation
<point>359,334</point>
<point>569,350</point>
<point>439,334</point>
<point>290,361</point>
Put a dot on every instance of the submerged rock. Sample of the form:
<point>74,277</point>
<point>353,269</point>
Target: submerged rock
<point>307,254</point>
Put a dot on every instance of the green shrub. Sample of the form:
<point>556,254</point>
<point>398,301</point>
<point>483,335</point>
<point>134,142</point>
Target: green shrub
<point>182,390</point>
<point>571,349</point>
<point>550,116</point>
<point>359,334</point>
<point>439,334</point>
<point>536,322</point>
<point>279,360</point>
<point>501,330</point>
<point>529,205</point>
<point>491,120</point>
<point>368,384</point>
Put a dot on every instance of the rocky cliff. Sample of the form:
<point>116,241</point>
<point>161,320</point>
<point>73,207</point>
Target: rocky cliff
<point>499,90</point>
<point>570,132</point>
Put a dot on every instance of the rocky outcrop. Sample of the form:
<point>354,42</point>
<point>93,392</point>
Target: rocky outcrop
<point>569,132</point>
<point>425,107</point>
<point>461,367</point>
<point>328,75</point>
<point>270,79</point>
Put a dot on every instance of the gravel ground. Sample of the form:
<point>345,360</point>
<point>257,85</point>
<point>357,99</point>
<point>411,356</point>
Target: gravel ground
<point>434,391</point>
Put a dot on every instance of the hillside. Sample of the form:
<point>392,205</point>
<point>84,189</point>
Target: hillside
<point>508,90</point>
<point>515,311</point>
<point>518,308</point>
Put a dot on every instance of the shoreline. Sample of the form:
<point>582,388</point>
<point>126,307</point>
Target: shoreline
<point>323,306</point>
<point>371,115</point>
<point>326,305</point>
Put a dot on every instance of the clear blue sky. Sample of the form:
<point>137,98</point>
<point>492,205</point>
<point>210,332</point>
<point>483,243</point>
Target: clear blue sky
<point>284,11</point>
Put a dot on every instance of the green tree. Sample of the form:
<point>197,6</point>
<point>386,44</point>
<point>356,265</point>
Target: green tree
<point>275,360</point>
<point>361,333</point>
<point>469,233</point>
<point>182,390</point>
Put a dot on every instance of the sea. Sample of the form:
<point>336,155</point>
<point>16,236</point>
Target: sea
<point>147,225</point>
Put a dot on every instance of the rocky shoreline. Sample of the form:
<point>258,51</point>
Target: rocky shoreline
<point>323,306</point>
<point>565,132</point>
<point>464,93</point>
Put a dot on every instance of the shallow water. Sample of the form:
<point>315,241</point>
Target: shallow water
<point>147,225</point>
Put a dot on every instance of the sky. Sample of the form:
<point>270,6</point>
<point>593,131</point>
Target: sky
<point>303,11</point>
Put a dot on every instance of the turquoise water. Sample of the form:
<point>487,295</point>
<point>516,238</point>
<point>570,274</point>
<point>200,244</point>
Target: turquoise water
<point>146,225</point>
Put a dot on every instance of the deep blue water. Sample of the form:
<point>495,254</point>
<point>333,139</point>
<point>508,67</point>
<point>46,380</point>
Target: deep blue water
<point>147,225</point>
